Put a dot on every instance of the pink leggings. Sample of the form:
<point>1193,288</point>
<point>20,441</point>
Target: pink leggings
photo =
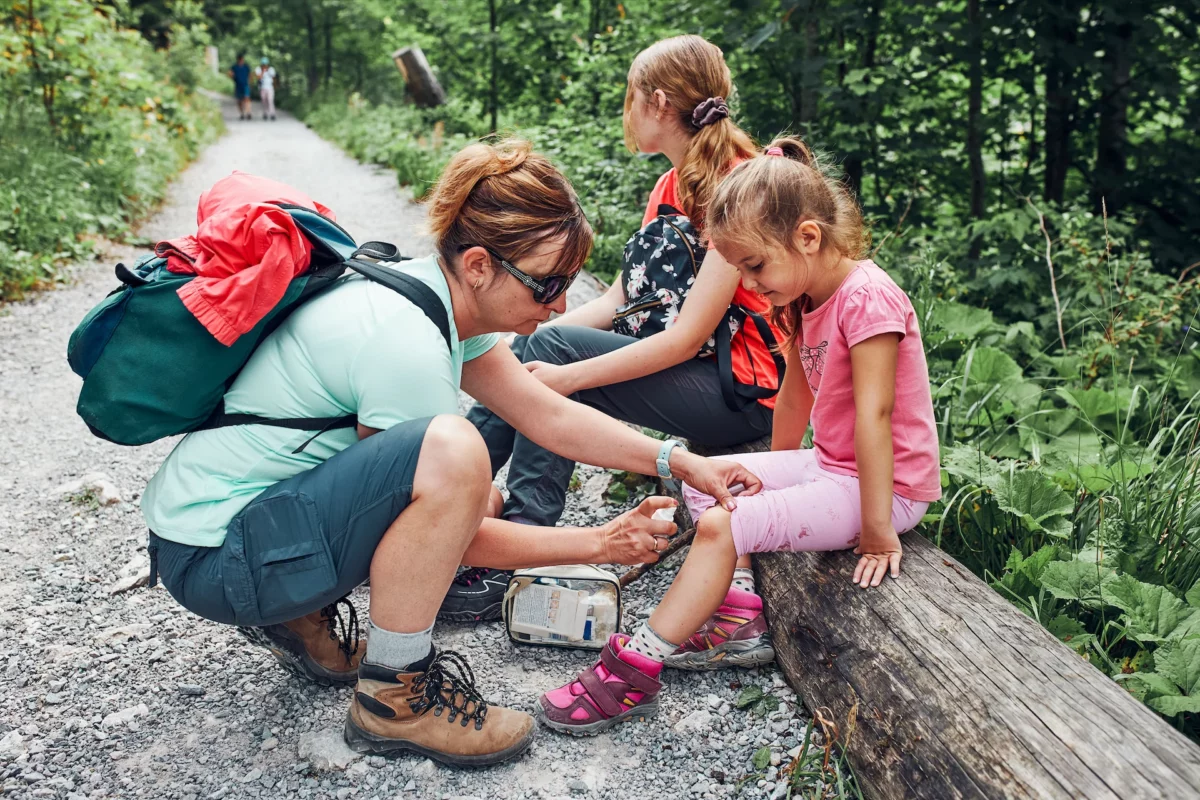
<point>801,506</point>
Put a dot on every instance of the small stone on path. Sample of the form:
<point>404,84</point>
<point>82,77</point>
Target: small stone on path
<point>694,722</point>
<point>124,717</point>
<point>326,750</point>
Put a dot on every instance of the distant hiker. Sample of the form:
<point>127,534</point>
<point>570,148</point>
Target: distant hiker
<point>264,76</point>
<point>240,72</point>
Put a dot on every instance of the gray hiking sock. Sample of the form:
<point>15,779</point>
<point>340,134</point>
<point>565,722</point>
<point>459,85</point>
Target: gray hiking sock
<point>743,579</point>
<point>649,644</point>
<point>397,650</point>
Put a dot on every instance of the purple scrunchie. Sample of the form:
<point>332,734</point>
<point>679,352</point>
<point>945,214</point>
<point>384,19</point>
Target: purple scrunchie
<point>710,111</point>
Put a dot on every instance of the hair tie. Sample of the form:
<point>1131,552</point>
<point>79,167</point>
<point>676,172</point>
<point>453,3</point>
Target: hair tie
<point>710,111</point>
<point>774,151</point>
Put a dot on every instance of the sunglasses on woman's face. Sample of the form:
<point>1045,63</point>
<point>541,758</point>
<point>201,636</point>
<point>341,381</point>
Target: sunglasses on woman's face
<point>545,290</point>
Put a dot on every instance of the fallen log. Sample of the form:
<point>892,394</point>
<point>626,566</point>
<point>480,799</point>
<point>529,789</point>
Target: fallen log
<point>954,693</point>
<point>941,688</point>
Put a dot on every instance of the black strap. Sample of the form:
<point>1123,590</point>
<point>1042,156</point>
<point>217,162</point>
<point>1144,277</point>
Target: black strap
<point>668,210</point>
<point>413,289</point>
<point>740,396</point>
<point>379,251</point>
<point>128,277</point>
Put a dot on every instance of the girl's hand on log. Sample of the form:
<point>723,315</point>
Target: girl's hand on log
<point>880,553</point>
<point>635,537</point>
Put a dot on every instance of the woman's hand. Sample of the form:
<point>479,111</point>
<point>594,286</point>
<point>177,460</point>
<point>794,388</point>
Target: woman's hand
<point>635,538</point>
<point>880,552</point>
<point>559,378</point>
<point>713,476</point>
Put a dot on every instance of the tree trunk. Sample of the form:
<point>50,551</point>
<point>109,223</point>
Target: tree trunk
<point>493,89</point>
<point>1062,103</point>
<point>329,14</point>
<point>974,118</point>
<point>314,71</point>
<point>810,79</point>
<point>870,44</point>
<point>1112,129</point>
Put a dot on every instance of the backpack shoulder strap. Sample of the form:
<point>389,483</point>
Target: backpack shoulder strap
<point>407,286</point>
<point>411,288</point>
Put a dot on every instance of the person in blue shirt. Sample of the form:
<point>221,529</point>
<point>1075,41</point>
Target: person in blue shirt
<point>240,72</point>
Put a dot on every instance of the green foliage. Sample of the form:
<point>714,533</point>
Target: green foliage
<point>94,123</point>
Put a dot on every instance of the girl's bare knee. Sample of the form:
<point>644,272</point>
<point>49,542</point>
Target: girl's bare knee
<point>714,528</point>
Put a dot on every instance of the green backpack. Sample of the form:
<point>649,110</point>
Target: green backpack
<point>151,370</point>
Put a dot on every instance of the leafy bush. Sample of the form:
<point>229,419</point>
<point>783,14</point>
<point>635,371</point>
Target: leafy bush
<point>92,130</point>
<point>1070,473</point>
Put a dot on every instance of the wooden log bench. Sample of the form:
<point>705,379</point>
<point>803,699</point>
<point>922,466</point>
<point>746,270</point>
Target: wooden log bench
<point>941,688</point>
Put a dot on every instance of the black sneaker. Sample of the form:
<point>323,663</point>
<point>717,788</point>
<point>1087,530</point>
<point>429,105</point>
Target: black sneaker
<point>475,595</point>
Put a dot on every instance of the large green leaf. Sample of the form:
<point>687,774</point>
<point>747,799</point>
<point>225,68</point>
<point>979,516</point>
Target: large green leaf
<point>1153,613</point>
<point>1171,705</point>
<point>960,321</point>
<point>990,366</point>
<point>1180,661</point>
<point>1032,496</point>
<point>969,464</point>
<point>1077,580</point>
<point>1193,595</point>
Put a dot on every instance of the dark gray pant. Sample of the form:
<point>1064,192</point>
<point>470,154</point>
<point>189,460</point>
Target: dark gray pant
<point>683,401</point>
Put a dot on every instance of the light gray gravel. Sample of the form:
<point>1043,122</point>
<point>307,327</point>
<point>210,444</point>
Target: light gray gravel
<point>126,694</point>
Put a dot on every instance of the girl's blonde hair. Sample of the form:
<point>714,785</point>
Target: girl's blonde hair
<point>689,70</point>
<point>509,199</point>
<point>763,200</point>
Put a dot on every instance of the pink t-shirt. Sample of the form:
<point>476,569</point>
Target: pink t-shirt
<point>867,304</point>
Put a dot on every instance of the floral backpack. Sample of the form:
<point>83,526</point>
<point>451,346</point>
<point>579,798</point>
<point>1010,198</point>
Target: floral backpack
<point>659,266</point>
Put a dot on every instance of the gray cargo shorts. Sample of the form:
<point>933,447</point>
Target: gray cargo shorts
<point>304,542</point>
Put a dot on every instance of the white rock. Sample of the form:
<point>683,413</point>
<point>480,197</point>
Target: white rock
<point>12,746</point>
<point>714,701</point>
<point>134,574</point>
<point>124,633</point>
<point>425,769</point>
<point>775,759</point>
<point>98,483</point>
<point>695,722</point>
<point>269,744</point>
<point>593,489</point>
<point>326,749</point>
<point>252,775</point>
<point>411,786</point>
<point>358,771</point>
<point>124,717</point>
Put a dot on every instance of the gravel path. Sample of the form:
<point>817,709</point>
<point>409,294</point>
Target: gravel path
<point>111,694</point>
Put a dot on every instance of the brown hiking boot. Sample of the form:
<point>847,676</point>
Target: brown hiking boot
<point>434,711</point>
<point>321,646</point>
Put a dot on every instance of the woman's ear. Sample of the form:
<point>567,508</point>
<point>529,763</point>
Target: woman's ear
<point>476,266</point>
<point>808,237</point>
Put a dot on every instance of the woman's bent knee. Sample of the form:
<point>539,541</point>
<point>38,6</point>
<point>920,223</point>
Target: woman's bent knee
<point>454,457</point>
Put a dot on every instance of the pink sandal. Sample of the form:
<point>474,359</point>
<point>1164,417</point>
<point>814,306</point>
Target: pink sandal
<point>621,685</point>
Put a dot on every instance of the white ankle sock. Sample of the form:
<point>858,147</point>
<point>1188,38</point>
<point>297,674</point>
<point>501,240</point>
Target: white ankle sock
<point>649,644</point>
<point>743,578</point>
<point>397,650</point>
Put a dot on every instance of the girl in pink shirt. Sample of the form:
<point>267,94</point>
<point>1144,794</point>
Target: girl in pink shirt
<point>856,372</point>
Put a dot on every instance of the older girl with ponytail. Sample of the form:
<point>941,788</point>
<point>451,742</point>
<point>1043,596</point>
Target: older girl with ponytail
<point>676,103</point>
<point>858,374</point>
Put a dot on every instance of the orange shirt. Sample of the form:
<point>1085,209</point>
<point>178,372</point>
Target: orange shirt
<point>752,362</point>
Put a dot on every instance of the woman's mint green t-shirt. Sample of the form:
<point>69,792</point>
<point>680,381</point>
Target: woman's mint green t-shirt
<point>359,348</point>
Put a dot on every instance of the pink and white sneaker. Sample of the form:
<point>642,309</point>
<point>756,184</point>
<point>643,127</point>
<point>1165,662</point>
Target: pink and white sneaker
<point>620,686</point>
<point>735,636</point>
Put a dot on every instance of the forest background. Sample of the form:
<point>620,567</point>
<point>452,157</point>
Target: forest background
<point>1029,170</point>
